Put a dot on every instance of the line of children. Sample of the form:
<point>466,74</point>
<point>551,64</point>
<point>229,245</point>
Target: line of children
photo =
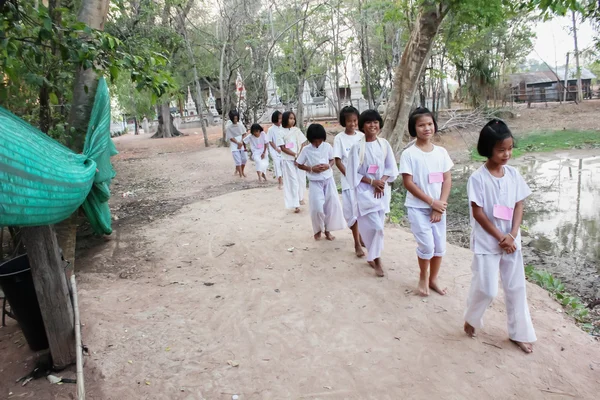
<point>342,144</point>
<point>291,140</point>
<point>258,146</point>
<point>323,200</point>
<point>234,133</point>
<point>274,150</point>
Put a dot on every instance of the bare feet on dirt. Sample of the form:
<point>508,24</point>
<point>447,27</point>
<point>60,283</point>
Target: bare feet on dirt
<point>329,236</point>
<point>423,289</point>
<point>371,264</point>
<point>526,347</point>
<point>469,330</point>
<point>317,236</point>
<point>302,202</point>
<point>378,268</point>
<point>297,210</point>
<point>434,286</point>
<point>359,251</point>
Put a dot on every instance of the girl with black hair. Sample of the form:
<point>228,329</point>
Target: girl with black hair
<point>290,141</point>
<point>323,200</point>
<point>425,170</point>
<point>235,133</point>
<point>342,144</point>
<point>496,194</point>
<point>274,150</point>
<point>371,165</point>
<point>258,146</point>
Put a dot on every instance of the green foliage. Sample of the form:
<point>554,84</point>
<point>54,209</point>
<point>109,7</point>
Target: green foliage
<point>572,304</point>
<point>546,141</point>
<point>397,209</point>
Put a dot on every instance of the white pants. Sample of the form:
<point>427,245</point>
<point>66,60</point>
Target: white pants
<point>325,208</point>
<point>239,157</point>
<point>301,183</point>
<point>261,164</point>
<point>430,237</point>
<point>350,207</point>
<point>277,169</point>
<point>484,287</point>
<point>290,184</point>
<point>370,227</point>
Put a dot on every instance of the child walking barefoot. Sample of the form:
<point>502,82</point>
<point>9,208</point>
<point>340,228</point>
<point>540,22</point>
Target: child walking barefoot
<point>234,134</point>
<point>342,144</point>
<point>425,170</point>
<point>323,201</point>
<point>496,193</point>
<point>371,165</point>
<point>258,145</point>
<point>291,140</point>
<point>274,150</point>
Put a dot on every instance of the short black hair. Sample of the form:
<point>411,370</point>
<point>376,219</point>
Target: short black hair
<point>316,132</point>
<point>348,110</point>
<point>414,117</point>
<point>369,116</point>
<point>232,114</point>
<point>256,127</point>
<point>493,132</point>
<point>285,120</point>
<point>275,116</point>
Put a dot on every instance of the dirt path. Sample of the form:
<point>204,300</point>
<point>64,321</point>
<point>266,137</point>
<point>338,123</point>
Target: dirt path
<point>168,302</point>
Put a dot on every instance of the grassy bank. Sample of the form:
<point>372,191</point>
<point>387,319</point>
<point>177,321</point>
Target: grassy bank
<point>546,141</point>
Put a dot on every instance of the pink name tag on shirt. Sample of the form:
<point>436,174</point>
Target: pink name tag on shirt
<point>436,177</point>
<point>289,145</point>
<point>373,169</point>
<point>503,212</point>
<point>260,146</point>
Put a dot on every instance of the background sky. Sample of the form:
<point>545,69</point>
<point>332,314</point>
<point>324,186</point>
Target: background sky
<point>554,40</point>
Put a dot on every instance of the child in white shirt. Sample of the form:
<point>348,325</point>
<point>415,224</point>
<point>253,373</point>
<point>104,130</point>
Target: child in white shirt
<point>425,170</point>
<point>234,134</point>
<point>258,145</point>
<point>342,144</point>
<point>496,193</point>
<point>290,140</point>
<point>323,200</point>
<point>274,150</point>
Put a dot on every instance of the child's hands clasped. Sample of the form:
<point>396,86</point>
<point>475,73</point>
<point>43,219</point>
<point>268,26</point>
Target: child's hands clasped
<point>320,168</point>
<point>435,217</point>
<point>379,187</point>
<point>508,244</point>
<point>439,206</point>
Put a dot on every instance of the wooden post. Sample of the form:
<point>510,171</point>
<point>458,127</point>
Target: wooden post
<point>52,292</point>
<point>566,85</point>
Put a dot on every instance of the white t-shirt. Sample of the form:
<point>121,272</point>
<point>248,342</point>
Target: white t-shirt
<point>341,149</point>
<point>272,137</point>
<point>487,191</point>
<point>420,165</point>
<point>257,144</point>
<point>311,156</point>
<point>234,131</point>
<point>292,139</point>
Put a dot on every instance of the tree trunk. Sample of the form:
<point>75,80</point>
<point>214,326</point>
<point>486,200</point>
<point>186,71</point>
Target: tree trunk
<point>164,121</point>
<point>577,66</point>
<point>52,292</point>
<point>93,13</point>
<point>300,108</point>
<point>409,71</point>
<point>224,101</point>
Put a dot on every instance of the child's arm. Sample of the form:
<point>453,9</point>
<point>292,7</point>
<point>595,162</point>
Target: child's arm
<point>287,151</point>
<point>436,205</point>
<point>508,241</point>
<point>340,166</point>
<point>485,223</point>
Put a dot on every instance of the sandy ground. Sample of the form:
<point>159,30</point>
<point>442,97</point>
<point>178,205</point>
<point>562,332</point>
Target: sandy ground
<point>209,288</point>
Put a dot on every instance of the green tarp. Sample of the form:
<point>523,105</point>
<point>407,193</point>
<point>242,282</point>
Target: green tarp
<point>43,182</point>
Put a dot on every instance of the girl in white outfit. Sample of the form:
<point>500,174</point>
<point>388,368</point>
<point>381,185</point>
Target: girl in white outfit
<point>291,140</point>
<point>323,200</point>
<point>342,144</point>
<point>258,145</point>
<point>425,170</point>
<point>371,165</point>
<point>234,134</point>
<point>274,150</point>
<point>496,193</point>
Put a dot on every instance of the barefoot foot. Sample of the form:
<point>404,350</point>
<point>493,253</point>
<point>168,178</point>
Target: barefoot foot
<point>469,330</point>
<point>423,288</point>
<point>297,210</point>
<point>526,347</point>
<point>371,264</point>
<point>379,271</point>
<point>302,202</point>
<point>329,236</point>
<point>317,236</point>
<point>434,286</point>
<point>359,251</point>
